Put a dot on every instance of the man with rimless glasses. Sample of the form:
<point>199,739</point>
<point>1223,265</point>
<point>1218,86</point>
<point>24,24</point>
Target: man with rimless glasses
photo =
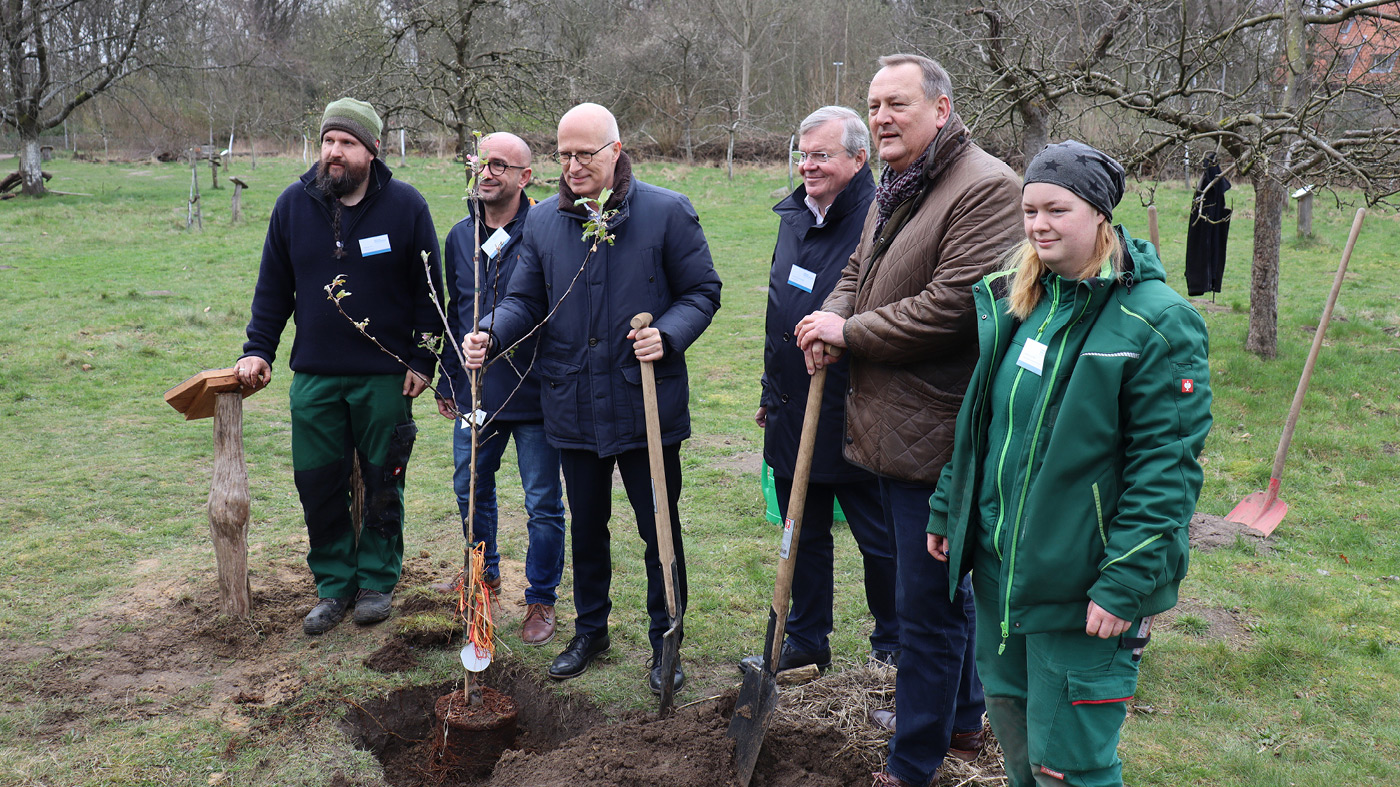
<point>583,296</point>
<point>510,389</point>
<point>820,225</point>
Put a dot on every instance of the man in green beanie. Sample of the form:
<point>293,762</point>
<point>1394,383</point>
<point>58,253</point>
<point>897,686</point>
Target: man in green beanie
<point>347,222</point>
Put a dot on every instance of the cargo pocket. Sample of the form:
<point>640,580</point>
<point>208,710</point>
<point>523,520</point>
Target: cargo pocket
<point>384,483</point>
<point>1083,735</point>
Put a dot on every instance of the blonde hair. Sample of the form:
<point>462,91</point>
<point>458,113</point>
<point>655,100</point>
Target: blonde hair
<point>1026,288</point>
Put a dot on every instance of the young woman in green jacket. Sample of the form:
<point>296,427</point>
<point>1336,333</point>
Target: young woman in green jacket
<point>1074,472</point>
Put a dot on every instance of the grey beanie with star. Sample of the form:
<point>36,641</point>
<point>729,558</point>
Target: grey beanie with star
<point>1091,174</point>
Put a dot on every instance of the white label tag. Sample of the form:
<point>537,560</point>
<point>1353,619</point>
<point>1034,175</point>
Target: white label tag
<point>369,247</point>
<point>802,279</point>
<point>493,244</point>
<point>1032,357</point>
<point>787,539</point>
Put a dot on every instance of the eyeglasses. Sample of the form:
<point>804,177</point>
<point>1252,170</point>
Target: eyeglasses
<point>816,156</point>
<point>584,159</point>
<point>497,167</point>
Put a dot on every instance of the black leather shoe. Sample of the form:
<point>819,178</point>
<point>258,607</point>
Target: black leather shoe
<point>791,658</point>
<point>371,606</point>
<point>324,616</point>
<point>890,658</point>
<point>654,680</point>
<point>575,659</point>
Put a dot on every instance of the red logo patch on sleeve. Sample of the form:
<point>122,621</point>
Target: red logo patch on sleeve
<point>1188,386</point>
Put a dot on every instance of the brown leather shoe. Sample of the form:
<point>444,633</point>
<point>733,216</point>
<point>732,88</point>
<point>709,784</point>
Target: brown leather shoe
<point>538,626</point>
<point>887,779</point>
<point>967,746</point>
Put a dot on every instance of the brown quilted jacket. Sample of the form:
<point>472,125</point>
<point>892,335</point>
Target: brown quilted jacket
<point>907,300</point>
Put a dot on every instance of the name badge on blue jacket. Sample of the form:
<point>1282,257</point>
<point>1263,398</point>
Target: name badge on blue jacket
<point>802,279</point>
<point>369,247</point>
<point>493,244</point>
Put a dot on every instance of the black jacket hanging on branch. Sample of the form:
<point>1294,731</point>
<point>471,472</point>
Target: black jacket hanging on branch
<point>1208,231</point>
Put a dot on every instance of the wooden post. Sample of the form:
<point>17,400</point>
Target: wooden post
<point>229,505</point>
<point>214,170</point>
<point>236,212</point>
<point>194,215</point>
<point>357,494</point>
<point>1305,211</point>
<point>1152,229</point>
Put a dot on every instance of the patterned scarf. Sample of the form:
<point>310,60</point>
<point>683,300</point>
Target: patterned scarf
<point>896,187</point>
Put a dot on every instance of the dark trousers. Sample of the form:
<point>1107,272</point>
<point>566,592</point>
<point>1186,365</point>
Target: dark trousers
<point>588,483</point>
<point>809,621</point>
<point>936,691</point>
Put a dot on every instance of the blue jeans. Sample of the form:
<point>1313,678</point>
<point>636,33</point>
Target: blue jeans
<point>936,690</point>
<point>544,505</point>
<point>810,620</point>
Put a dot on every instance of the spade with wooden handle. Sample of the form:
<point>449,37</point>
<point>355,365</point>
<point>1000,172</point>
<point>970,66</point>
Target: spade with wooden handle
<point>670,641</point>
<point>758,697</point>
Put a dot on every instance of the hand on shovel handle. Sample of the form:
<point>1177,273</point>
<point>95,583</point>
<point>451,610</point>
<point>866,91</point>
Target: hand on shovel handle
<point>643,334</point>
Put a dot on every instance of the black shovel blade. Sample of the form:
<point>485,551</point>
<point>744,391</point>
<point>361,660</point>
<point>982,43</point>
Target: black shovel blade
<point>670,652</point>
<point>753,710</point>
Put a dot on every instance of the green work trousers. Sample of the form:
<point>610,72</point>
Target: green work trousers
<point>1056,700</point>
<point>334,419</point>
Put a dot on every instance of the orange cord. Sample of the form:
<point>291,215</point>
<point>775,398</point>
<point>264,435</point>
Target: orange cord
<point>474,604</point>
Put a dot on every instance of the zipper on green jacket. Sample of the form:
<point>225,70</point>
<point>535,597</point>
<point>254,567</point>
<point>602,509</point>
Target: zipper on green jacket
<point>1030,460</point>
<point>1098,511</point>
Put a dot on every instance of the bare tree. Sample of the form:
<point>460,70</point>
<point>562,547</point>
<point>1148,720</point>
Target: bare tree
<point>59,54</point>
<point>1279,93</point>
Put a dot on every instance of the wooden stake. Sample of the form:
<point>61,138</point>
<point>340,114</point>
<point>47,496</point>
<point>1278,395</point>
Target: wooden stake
<point>229,505</point>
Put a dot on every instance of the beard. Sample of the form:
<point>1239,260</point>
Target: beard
<point>347,181</point>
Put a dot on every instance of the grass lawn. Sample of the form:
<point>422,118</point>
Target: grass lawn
<point>1281,667</point>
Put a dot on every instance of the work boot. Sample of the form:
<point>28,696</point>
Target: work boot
<point>791,658</point>
<point>580,652</point>
<point>967,746</point>
<point>324,616</point>
<point>371,606</point>
<point>887,779</point>
<point>889,658</point>
<point>655,677</point>
<point>538,626</point>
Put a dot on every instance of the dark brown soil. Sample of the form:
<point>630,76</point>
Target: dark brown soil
<point>395,656</point>
<point>1209,532</point>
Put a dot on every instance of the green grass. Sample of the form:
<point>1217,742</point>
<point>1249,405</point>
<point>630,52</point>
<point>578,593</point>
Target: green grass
<point>110,301</point>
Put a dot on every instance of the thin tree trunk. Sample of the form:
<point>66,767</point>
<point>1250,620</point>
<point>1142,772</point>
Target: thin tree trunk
<point>1263,288</point>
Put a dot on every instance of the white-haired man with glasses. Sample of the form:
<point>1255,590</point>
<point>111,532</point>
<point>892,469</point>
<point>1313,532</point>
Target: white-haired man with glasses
<point>510,390</point>
<point>819,226</point>
<point>658,262</point>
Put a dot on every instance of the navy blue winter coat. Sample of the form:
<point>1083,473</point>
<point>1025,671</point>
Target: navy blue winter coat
<point>383,237</point>
<point>824,251</point>
<point>508,392</point>
<point>659,262</point>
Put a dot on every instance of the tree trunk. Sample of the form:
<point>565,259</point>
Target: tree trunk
<point>1263,289</point>
<point>229,505</point>
<point>1035,130</point>
<point>31,163</point>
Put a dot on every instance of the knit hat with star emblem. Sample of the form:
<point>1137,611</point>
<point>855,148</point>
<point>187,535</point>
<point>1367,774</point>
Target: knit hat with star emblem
<point>1091,174</point>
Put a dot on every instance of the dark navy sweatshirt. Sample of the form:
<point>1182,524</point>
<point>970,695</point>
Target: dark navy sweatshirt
<point>383,270</point>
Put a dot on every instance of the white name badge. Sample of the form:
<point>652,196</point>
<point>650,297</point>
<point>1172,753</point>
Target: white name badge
<point>802,279</point>
<point>1032,357</point>
<point>493,244</point>
<point>369,247</point>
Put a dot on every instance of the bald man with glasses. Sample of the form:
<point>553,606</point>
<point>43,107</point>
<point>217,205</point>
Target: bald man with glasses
<point>510,390</point>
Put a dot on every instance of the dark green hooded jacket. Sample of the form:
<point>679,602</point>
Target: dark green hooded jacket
<point>1097,499</point>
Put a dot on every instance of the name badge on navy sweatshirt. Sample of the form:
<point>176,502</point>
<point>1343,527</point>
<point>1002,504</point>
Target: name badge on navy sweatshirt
<point>802,279</point>
<point>369,247</point>
<point>493,244</point>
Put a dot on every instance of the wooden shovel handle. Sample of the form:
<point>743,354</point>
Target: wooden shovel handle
<point>660,497</point>
<point>1302,391</point>
<point>796,508</point>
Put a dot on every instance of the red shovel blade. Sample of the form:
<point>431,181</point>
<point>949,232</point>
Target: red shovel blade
<point>1262,511</point>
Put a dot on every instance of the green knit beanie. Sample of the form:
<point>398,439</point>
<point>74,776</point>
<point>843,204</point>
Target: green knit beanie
<point>355,118</point>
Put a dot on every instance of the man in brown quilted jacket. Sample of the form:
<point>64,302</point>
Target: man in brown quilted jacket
<point>945,211</point>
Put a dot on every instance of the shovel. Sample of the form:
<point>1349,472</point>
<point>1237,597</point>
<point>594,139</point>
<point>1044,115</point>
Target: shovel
<point>670,641</point>
<point>1263,511</point>
<point>758,697</point>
